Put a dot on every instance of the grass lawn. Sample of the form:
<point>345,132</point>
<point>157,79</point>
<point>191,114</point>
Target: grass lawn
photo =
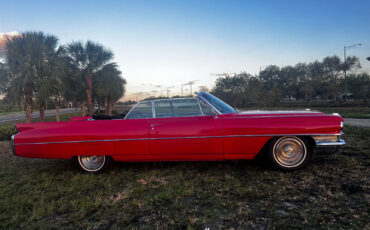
<point>333,192</point>
<point>6,113</point>
<point>348,112</point>
<point>63,117</point>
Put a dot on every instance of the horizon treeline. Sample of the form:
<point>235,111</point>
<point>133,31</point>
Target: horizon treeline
<point>318,81</point>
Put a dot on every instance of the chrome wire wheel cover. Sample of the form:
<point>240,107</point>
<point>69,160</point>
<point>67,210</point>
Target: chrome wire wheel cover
<point>289,152</point>
<point>91,163</point>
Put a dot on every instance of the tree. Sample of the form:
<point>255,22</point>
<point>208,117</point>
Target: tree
<point>270,77</point>
<point>59,74</point>
<point>27,57</point>
<point>333,74</point>
<point>4,78</point>
<point>108,86</point>
<point>359,85</point>
<point>74,85</point>
<point>46,81</point>
<point>239,90</point>
<point>203,88</point>
<point>88,58</point>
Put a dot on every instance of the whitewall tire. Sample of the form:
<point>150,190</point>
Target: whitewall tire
<point>93,163</point>
<point>289,153</point>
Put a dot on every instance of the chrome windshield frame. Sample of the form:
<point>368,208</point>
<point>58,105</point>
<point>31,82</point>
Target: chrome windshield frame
<point>208,103</point>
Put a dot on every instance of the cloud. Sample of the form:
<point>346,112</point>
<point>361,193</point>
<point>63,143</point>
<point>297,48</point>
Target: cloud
<point>3,38</point>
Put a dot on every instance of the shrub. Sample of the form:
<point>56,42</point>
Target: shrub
<point>6,132</point>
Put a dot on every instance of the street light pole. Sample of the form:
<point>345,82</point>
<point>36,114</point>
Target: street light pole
<point>345,74</point>
<point>182,89</point>
<point>345,68</point>
<point>168,91</point>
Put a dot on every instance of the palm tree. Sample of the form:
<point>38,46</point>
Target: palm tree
<point>109,86</point>
<point>27,57</point>
<point>117,91</point>
<point>4,78</point>
<point>59,71</point>
<point>88,58</point>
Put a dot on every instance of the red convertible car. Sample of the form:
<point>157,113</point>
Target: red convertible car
<point>202,128</point>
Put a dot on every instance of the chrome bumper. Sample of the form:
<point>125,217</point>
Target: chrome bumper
<point>323,144</point>
<point>13,146</point>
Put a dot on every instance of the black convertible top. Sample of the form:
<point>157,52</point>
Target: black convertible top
<point>107,117</point>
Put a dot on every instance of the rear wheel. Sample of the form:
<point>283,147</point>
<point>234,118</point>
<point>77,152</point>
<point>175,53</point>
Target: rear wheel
<point>94,163</point>
<point>289,153</point>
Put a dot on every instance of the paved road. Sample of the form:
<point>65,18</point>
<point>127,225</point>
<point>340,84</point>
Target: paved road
<point>36,114</point>
<point>363,123</point>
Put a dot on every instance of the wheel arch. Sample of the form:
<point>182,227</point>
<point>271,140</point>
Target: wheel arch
<point>311,143</point>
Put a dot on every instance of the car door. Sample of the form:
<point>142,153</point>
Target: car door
<point>133,138</point>
<point>181,130</point>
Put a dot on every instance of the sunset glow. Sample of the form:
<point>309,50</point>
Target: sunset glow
<point>3,39</point>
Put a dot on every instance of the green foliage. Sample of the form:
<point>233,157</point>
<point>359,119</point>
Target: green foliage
<point>108,84</point>
<point>28,58</point>
<point>4,78</point>
<point>303,82</point>
<point>239,90</point>
<point>88,57</point>
<point>360,86</point>
<point>6,132</point>
<point>36,69</point>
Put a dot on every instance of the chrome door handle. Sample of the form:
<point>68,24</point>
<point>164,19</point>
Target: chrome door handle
<point>153,125</point>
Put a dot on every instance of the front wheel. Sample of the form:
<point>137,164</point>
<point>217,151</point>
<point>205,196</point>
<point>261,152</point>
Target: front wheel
<point>289,153</point>
<point>93,164</point>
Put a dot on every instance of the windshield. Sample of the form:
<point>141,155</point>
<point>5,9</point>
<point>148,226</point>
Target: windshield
<point>221,106</point>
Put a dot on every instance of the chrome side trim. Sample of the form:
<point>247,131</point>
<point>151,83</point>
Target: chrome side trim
<point>174,138</point>
<point>66,142</point>
<point>281,116</point>
<point>323,144</point>
<point>200,107</point>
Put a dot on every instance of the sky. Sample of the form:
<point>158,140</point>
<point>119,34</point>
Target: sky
<point>169,43</point>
